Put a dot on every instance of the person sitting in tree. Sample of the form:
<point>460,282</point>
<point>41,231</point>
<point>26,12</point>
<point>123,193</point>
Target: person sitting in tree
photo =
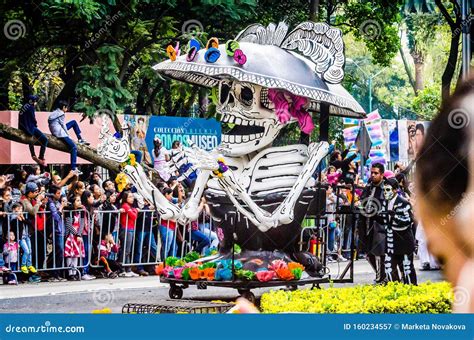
<point>59,128</point>
<point>28,124</point>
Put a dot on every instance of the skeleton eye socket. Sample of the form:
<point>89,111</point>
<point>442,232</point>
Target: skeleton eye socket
<point>246,96</point>
<point>224,92</point>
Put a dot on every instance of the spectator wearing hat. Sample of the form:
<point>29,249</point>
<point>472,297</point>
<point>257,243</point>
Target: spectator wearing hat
<point>59,128</point>
<point>400,235</point>
<point>28,124</point>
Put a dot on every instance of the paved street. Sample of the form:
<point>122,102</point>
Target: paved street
<point>86,296</point>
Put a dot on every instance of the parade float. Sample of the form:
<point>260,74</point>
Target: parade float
<point>259,194</point>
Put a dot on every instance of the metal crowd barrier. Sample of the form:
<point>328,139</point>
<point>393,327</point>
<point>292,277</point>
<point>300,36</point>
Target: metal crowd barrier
<point>141,246</point>
<point>44,243</point>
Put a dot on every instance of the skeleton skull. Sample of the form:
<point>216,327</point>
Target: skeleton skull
<point>246,106</point>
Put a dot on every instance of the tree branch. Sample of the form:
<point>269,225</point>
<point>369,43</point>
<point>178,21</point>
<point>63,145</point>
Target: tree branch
<point>84,152</point>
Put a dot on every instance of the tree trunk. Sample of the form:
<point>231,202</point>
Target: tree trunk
<point>314,10</point>
<point>407,69</point>
<point>419,79</point>
<point>450,68</point>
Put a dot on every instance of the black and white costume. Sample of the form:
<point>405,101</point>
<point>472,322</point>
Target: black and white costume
<point>400,241</point>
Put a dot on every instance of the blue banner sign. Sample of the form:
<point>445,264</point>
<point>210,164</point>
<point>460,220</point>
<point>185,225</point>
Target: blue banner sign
<point>205,133</point>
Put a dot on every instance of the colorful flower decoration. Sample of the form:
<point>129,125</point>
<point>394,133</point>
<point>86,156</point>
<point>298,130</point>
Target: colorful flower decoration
<point>159,268</point>
<point>265,275</point>
<point>223,274</point>
<point>121,181</point>
<point>178,272</point>
<point>173,52</point>
<point>240,57</point>
<point>284,274</point>
<point>131,160</point>
<point>185,274</point>
<point>295,265</point>
<point>212,54</point>
<point>297,272</point>
<point>168,271</point>
<point>245,275</point>
<point>222,168</point>
<point>231,46</point>
<point>277,264</point>
<point>208,274</point>
<point>195,273</point>
<point>194,47</point>
<point>212,42</point>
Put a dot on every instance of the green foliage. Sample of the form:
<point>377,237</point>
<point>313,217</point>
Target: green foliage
<point>428,101</point>
<point>101,87</point>
<point>391,298</point>
<point>373,23</point>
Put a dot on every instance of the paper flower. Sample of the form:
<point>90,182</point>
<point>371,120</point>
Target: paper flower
<point>159,268</point>
<point>258,262</point>
<point>284,274</point>
<point>173,52</point>
<point>185,274</point>
<point>168,271</point>
<point>277,264</point>
<point>297,272</point>
<point>246,275</point>
<point>121,181</point>
<point>190,265</point>
<point>208,274</point>
<point>178,272</point>
<point>195,273</point>
<point>191,256</point>
<point>294,265</point>
<point>212,54</point>
<point>265,275</point>
<point>212,42</point>
<point>171,261</point>
<point>223,274</point>
<point>240,57</point>
<point>231,46</point>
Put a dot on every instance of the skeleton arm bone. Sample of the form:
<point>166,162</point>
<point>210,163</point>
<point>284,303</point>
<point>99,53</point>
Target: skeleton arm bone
<point>190,210</point>
<point>145,187</point>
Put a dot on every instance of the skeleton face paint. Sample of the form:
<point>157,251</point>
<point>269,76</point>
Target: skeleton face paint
<point>247,107</point>
<point>388,192</point>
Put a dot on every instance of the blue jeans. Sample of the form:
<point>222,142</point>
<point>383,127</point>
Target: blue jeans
<point>42,139</point>
<point>144,238</point>
<point>201,239</point>
<point>168,243</point>
<point>58,253</point>
<point>126,242</point>
<point>25,244</point>
<point>73,125</point>
<point>72,149</point>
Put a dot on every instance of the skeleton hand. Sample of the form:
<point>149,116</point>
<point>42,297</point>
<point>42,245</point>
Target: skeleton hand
<point>202,159</point>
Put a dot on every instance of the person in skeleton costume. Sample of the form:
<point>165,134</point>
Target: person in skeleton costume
<point>267,78</point>
<point>371,229</point>
<point>400,245</point>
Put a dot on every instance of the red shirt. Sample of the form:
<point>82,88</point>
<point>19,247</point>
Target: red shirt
<point>128,218</point>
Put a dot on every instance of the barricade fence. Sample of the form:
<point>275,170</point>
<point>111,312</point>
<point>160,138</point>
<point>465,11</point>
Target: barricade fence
<point>73,241</point>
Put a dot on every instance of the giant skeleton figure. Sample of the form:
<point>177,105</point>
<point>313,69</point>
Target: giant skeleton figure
<point>261,200</point>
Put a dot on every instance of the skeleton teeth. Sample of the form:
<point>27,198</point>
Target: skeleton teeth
<point>251,122</point>
<point>238,121</point>
<point>225,138</point>
<point>245,122</point>
<point>253,136</point>
<point>238,139</point>
<point>232,139</point>
<point>245,138</point>
<point>231,119</point>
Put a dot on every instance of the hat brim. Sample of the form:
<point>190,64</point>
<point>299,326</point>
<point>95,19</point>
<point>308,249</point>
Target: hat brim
<point>268,66</point>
